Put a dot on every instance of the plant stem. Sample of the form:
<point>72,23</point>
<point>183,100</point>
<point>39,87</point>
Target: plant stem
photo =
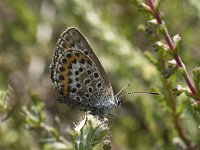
<point>171,49</point>
<point>175,115</point>
<point>169,95</point>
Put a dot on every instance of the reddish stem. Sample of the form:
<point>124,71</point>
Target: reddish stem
<point>181,131</point>
<point>179,62</point>
<point>171,49</point>
<point>186,76</point>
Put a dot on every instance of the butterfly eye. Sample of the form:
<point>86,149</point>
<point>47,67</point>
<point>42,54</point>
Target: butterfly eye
<point>119,102</point>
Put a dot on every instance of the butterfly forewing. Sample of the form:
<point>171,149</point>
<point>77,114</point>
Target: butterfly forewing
<point>73,39</point>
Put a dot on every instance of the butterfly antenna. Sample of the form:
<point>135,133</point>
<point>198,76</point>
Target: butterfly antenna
<point>144,92</point>
<point>126,86</point>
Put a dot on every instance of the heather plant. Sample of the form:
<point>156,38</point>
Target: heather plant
<point>134,45</point>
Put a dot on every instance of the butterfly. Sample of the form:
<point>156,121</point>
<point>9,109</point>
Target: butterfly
<point>79,77</point>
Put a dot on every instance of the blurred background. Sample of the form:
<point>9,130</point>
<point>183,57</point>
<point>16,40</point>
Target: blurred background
<point>29,30</point>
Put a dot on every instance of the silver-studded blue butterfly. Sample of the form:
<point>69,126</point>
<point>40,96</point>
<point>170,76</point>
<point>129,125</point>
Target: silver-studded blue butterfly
<point>79,77</point>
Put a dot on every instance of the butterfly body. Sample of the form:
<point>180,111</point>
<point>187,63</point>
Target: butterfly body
<point>79,77</point>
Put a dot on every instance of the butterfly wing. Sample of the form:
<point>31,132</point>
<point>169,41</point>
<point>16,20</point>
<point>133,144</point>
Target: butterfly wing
<point>73,39</point>
<point>79,76</point>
